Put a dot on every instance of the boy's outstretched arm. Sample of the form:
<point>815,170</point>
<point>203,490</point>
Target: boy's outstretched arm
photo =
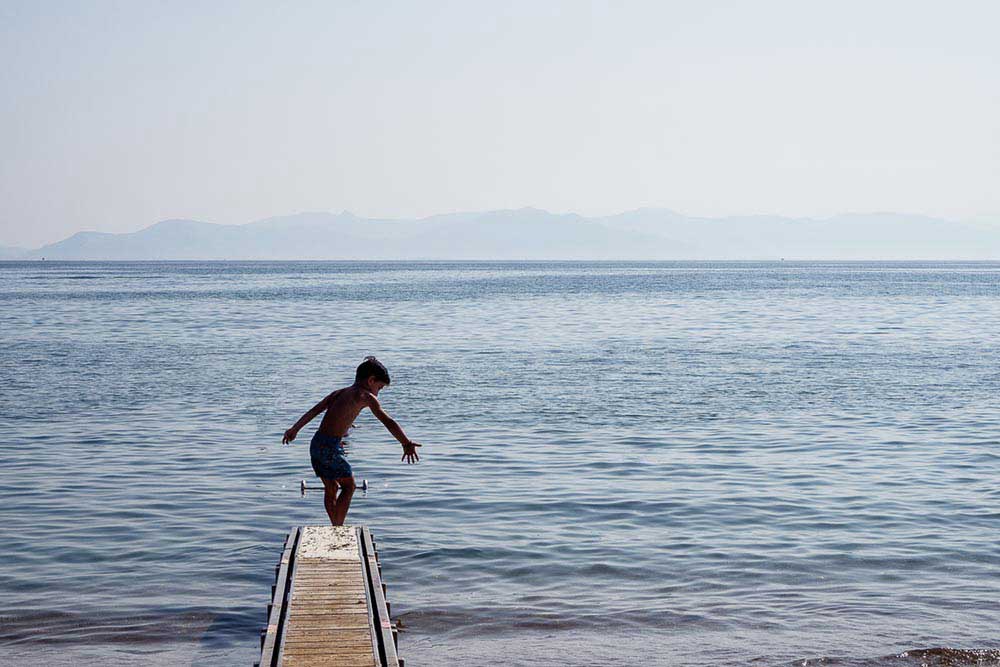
<point>305,419</point>
<point>409,447</point>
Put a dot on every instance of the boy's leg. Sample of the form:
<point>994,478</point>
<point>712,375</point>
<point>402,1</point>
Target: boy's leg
<point>330,499</point>
<point>344,501</point>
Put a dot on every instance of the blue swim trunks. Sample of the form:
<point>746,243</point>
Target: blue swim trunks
<point>327,454</point>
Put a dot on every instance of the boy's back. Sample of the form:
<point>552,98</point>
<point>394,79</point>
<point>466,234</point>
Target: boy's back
<point>343,407</point>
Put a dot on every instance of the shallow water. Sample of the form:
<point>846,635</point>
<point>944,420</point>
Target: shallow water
<point>671,464</point>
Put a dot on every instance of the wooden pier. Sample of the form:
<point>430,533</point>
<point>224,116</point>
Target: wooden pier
<point>328,606</point>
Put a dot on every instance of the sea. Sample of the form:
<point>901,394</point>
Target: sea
<point>676,463</point>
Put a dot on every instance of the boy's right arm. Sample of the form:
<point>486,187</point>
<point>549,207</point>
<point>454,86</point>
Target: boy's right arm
<point>305,419</point>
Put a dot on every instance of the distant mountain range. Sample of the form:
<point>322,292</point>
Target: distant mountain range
<point>530,233</point>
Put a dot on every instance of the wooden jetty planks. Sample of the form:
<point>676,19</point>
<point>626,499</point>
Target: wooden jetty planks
<point>328,578</point>
<point>328,607</point>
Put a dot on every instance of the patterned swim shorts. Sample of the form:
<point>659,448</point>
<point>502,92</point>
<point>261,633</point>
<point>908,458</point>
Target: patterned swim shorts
<point>327,454</point>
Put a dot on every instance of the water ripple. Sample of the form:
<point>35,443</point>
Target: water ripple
<point>675,463</point>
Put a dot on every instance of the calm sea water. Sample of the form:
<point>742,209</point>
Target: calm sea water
<point>634,464</point>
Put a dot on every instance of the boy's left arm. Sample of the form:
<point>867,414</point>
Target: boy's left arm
<point>409,447</point>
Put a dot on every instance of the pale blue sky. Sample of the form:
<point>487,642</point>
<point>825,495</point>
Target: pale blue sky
<point>114,115</point>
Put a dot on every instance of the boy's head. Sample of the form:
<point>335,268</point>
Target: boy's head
<point>371,374</point>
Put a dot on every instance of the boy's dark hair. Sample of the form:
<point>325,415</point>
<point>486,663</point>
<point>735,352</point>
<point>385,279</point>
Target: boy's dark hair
<point>371,367</point>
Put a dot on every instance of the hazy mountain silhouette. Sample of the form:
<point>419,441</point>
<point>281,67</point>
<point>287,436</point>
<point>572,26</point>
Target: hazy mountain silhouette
<point>531,233</point>
<point>844,237</point>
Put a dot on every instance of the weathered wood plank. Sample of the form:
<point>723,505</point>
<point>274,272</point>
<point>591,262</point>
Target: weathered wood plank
<point>318,645</point>
<point>321,614</point>
<point>332,595</point>
<point>329,582</point>
<point>308,626</point>
<point>306,612</point>
<point>330,661</point>
<point>347,623</point>
<point>359,653</point>
<point>319,604</point>
<point>329,634</point>
<point>323,648</point>
<point>272,631</point>
<point>327,629</point>
<point>322,583</point>
<point>379,608</point>
<point>362,651</point>
<point>349,632</point>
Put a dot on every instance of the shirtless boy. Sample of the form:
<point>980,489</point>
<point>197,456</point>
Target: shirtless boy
<point>327,451</point>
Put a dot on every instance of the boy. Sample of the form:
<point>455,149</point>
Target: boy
<point>327,450</point>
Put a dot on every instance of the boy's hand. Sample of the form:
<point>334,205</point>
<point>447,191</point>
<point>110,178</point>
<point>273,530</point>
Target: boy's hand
<point>289,436</point>
<point>410,452</point>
